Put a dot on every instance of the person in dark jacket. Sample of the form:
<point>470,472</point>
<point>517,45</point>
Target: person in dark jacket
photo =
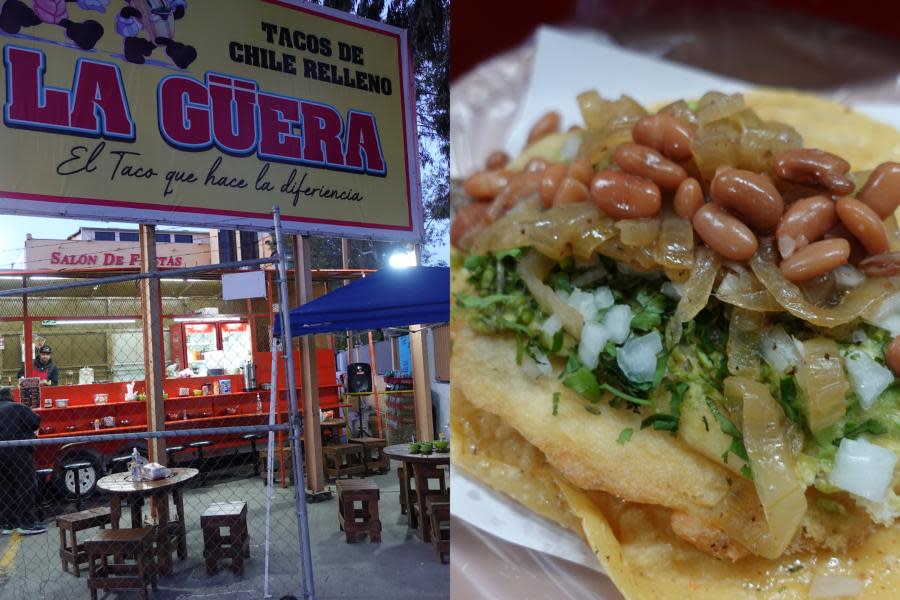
<point>43,367</point>
<point>18,478</point>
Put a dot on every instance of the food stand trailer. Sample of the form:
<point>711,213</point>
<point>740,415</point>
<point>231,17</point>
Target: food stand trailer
<point>193,402</point>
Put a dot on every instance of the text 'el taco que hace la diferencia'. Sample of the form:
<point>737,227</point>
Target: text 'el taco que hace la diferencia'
<point>683,327</point>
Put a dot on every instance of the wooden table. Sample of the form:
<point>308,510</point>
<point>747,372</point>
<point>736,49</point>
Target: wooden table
<point>120,486</point>
<point>415,461</point>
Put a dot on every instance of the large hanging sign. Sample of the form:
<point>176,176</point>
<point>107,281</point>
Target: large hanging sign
<point>208,112</point>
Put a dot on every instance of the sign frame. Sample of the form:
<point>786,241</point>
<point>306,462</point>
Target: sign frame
<point>16,202</point>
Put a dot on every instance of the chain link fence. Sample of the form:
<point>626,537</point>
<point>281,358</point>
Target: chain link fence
<point>73,419</point>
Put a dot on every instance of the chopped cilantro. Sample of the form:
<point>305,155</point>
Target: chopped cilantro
<point>555,403</point>
<point>585,383</point>
<point>625,436</point>
<point>854,430</point>
<point>661,421</point>
<point>746,472</point>
<point>557,342</point>
<point>594,410</point>
<point>787,398</point>
<point>737,443</point>
<point>559,281</point>
<point>647,315</point>
<point>832,506</point>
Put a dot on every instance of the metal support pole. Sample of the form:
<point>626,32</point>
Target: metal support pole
<point>345,261</point>
<point>270,457</point>
<point>287,347</point>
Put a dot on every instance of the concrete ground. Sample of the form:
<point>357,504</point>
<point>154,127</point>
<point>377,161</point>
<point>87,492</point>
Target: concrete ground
<point>400,567</point>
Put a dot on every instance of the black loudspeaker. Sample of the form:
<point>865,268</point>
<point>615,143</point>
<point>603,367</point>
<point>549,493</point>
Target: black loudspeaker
<point>359,378</point>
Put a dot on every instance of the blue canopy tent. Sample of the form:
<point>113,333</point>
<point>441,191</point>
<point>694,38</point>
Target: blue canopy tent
<point>387,298</point>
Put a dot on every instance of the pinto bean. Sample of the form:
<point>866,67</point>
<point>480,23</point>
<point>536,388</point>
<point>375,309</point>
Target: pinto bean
<point>551,177</point>
<point>523,187</point>
<point>881,192</point>
<point>468,221</point>
<point>751,195</point>
<point>535,165</point>
<point>724,233</point>
<point>892,356</point>
<point>805,221</point>
<point>857,250</point>
<point>815,259</point>
<point>666,134</point>
<point>484,185</point>
<point>647,162</point>
<point>688,198</point>
<point>496,160</point>
<point>581,169</point>
<point>571,191</point>
<point>864,224</point>
<point>881,265</point>
<point>548,123</point>
<point>816,168</point>
<point>624,196</point>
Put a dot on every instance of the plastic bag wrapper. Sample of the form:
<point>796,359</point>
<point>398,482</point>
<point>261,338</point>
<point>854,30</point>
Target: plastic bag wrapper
<point>499,550</point>
<point>153,471</point>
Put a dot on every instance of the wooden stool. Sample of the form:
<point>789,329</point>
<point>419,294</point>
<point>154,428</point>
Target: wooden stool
<point>439,514</point>
<point>435,477</point>
<point>405,478</point>
<point>72,552</point>
<point>374,459</point>
<point>359,520</point>
<point>136,544</point>
<point>175,528</point>
<point>344,459</point>
<point>276,465</point>
<point>234,545</point>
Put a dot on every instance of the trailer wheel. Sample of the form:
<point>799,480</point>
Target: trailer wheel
<point>88,476</point>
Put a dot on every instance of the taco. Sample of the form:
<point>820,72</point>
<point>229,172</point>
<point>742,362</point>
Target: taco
<point>677,333</point>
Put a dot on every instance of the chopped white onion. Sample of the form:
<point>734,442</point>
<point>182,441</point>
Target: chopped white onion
<point>603,297</point>
<point>730,284</point>
<point>887,315</point>
<point>581,301</point>
<point>848,277</point>
<point>672,289</point>
<point>786,245</point>
<point>637,358</point>
<point>867,377</point>
<point>569,148</point>
<point>863,468</point>
<point>593,339</point>
<point>834,586</point>
<point>779,350</point>
<point>537,367</point>
<point>590,276</point>
<point>617,322</point>
<point>550,326</point>
<point>858,336</point>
